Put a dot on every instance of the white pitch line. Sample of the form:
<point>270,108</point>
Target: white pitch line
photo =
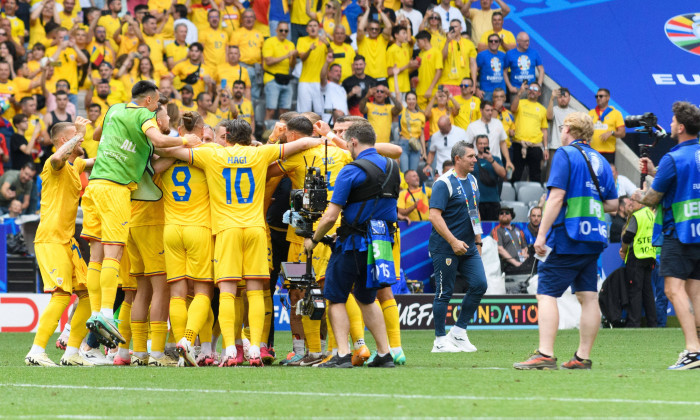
<point>361,395</point>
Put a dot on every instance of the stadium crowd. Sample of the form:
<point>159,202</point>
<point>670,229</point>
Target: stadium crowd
<point>425,77</point>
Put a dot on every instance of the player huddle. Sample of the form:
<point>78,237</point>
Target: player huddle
<point>168,230</point>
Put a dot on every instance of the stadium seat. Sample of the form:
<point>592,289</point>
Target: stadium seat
<point>508,192</point>
<point>519,208</point>
<point>519,184</point>
<point>528,193</point>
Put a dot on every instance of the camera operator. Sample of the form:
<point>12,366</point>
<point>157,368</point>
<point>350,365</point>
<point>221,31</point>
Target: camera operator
<point>675,188</point>
<point>366,189</point>
<point>490,173</point>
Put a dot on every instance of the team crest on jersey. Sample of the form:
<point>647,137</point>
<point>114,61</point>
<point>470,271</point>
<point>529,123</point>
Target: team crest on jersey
<point>59,281</point>
<point>684,32</point>
<point>448,261</point>
<point>495,64</point>
<point>524,62</point>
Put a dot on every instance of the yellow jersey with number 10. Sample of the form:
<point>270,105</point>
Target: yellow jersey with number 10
<point>236,180</point>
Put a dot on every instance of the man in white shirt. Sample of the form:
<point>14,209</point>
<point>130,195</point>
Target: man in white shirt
<point>622,183</point>
<point>441,143</point>
<point>180,16</point>
<point>557,113</point>
<point>335,103</point>
<point>448,14</point>
<point>493,129</point>
<point>413,15</point>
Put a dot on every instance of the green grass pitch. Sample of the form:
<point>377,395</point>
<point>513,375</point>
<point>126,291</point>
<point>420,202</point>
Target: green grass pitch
<point>629,379</point>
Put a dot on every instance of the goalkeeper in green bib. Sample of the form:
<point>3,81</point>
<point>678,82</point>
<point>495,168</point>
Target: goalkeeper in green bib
<point>122,171</point>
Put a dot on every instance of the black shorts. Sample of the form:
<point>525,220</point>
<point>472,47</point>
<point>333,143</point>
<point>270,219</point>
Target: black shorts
<point>679,260</point>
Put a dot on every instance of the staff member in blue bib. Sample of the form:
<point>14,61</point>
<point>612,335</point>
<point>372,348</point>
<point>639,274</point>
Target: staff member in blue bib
<point>366,190</point>
<point>676,191</point>
<point>581,189</point>
<point>456,234</point>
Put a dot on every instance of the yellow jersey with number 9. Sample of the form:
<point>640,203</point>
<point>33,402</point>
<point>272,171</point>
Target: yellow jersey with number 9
<point>236,180</point>
<point>186,194</point>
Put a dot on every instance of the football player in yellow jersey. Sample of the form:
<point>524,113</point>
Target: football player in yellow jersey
<point>215,41</point>
<point>372,45</point>
<point>62,267</point>
<point>188,245</point>
<point>235,176</point>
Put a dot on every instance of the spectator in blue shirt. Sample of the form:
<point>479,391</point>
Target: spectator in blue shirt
<point>581,188</point>
<point>524,65</point>
<point>361,198</point>
<point>491,65</point>
<point>453,243</point>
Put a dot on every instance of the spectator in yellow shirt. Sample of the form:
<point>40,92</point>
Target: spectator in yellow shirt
<point>232,71</point>
<point>459,59</point>
<point>43,15</point>
<point>413,202</point>
<point>332,16</point>
<point>151,37</point>
<point>111,21</point>
<point>162,11</point>
<point>312,53</point>
<point>609,125</point>
<point>199,14</point>
<point>411,127</point>
<point>6,36</point>
<point>430,68</point>
<point>530,143</point>
<point>186,103</point>
<point>119,93</point>
<point>481,18</point>
<point>279,58</point>
<point>230,15</point>
<point>250,41</point>
<point>94,114</point>
<point>503,114</point>
<point>379,113</point>
<point>343,53</point>
<point>176,51</point>
<point>469,104</point>
<point>442,103</point>
<point>242,104</point>
<point>69,15</point>
<point>507,37</point>
<point>100,50</point>
<point>215,40</point>
<point>192,72</point>
<point>66,58</point>
<point>204,105</point>
<point>373,46</point>
<point>18,30</point>
<point>398,60</point>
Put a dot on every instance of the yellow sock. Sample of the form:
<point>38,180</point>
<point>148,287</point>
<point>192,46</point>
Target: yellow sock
<point>238,323</point>
<point>216,328</point>
<point>139,333</point>
<point>205,333</point>
<point>332,344</point>
<point>256,316</point>
<point>268,315</point>
<point>312,332</point>
<point>197,317</point>
<point>78,329</point>
<point>178,317</point>
<point>93,285</point>
<point>357,326</point>
<point>49,319</point>
<point>189,300</point>
<point>124,323</point>
<point>227,318</point>
<point>109,278</point>
<point>159,332</point>
<point>391,319</point>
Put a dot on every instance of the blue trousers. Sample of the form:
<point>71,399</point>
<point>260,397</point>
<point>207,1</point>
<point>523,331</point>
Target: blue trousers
<point>657,282</point>
<point>446,268</point>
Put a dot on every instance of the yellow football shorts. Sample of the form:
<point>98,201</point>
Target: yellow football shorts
<point>146,254</point>
<point>125,280</point>
<point>106,212</point>
<point>241,253</point>
<point>188,253</point>
<point>61,265</point>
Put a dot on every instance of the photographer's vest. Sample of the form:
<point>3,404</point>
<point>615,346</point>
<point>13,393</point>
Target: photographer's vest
<point>584,218</point>
<point>642,240</point>
<point>378,184</point>
<point>124,151</point>
<point>684,202</point>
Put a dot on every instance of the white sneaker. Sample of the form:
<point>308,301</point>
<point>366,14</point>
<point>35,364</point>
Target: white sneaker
<point>75,360</point>
<point>95,357</point>
<point>442,345</point>
<point>461,341</point>
<point>39,359</point>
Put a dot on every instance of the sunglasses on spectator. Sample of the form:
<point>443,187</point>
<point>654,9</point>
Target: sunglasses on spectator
<point>284,31</point>
<point>434,18</point>
<point>504,212</point>
<point>465,85</point>
<point>534,88</point>
<point>601,96</point>
<point>494,41</point>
